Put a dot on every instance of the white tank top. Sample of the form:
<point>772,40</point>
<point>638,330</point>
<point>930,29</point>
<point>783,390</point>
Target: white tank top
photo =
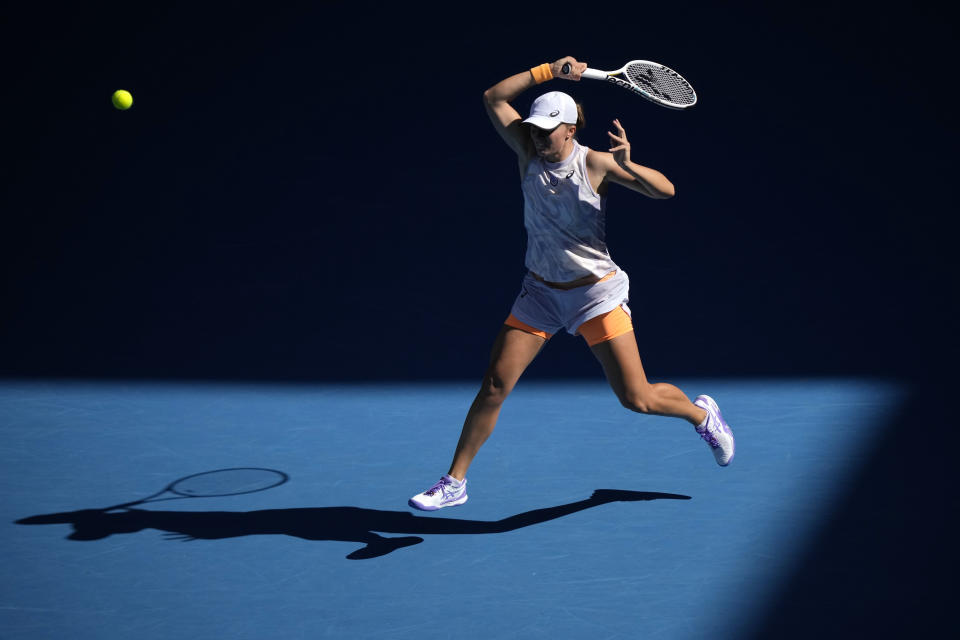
<point>565,220</point>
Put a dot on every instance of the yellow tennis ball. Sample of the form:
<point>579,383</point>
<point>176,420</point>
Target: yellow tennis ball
<point>122,99</point>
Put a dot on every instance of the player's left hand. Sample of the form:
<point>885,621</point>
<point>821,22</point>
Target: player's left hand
<point>619,145</point>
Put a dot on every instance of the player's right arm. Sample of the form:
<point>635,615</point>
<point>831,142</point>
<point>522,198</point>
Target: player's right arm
<point>505,118</point>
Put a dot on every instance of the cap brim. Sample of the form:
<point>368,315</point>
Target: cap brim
<point>544,122</point>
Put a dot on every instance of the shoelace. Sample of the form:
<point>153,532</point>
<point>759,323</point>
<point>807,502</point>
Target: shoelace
<point>709,434</point>
<point>440,486</point>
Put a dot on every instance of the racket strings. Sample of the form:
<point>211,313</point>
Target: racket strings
<point>662,83</point>
<point>228,482</point>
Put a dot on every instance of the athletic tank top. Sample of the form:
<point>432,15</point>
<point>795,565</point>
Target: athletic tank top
<point>565,220</point>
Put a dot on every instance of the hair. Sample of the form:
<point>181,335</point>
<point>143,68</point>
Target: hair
<point>581,119</point>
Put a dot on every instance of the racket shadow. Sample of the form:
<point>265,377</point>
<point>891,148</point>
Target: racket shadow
<point>344,524</point>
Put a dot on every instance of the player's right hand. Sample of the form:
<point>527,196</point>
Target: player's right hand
<point>576,68</point>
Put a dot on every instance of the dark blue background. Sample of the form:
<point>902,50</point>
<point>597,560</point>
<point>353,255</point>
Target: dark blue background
<point>316,193</point>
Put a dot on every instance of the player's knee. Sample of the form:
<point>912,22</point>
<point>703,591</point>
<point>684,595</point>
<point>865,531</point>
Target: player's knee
<point>495,389</point>
<point>637,400</point>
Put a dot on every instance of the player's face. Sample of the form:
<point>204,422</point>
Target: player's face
<point>549,144</point>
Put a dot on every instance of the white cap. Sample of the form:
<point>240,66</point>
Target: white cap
<point>552,109</point>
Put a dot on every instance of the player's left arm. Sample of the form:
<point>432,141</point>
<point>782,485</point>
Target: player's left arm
<point>616,166</point>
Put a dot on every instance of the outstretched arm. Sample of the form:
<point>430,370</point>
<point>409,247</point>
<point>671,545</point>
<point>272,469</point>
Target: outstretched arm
<point>505,118</point>
<point>616,166</point>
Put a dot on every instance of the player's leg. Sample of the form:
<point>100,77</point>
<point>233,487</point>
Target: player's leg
<point>612,340</point>
<point>620,359</point>
<point>513,350</point>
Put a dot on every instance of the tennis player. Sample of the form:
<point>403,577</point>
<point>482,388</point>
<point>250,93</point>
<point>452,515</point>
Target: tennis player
<point>572,283</point>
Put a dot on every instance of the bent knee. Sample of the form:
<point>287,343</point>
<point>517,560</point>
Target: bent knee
<point>638,400</point>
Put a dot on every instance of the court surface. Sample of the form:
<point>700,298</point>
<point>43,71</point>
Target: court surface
<point>584,520</point>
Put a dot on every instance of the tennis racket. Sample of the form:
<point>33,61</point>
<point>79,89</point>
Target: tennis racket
<point>212,484</point>
<point>655,82</point>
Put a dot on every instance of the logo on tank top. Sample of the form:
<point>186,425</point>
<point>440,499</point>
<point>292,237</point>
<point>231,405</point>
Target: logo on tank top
<point>554,180</point>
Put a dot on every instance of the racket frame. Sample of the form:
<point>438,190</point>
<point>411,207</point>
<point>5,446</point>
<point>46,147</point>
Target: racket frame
<point>613,77</point>
<point>281,479</point>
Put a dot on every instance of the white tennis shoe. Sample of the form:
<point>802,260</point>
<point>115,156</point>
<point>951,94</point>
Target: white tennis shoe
<point>715,431</point>
<point>448,492</point>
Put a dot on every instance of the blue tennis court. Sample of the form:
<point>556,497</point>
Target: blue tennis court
<point>584,520</point>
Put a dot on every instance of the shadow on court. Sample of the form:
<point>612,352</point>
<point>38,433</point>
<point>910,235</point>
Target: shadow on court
<point>885,562</point>
<point>344,524</point>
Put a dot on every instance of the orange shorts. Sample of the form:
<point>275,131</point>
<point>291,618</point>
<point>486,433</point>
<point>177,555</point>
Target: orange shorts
<point>596,330</point>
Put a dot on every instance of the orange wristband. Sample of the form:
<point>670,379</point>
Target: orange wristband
<point>542,73</point>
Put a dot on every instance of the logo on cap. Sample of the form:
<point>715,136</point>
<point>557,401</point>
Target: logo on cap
<point>554,114</point>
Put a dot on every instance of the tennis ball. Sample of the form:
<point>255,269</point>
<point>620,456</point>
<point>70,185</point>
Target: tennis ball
<point>122,99</point>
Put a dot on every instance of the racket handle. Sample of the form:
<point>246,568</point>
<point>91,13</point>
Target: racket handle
<point>587,73</point>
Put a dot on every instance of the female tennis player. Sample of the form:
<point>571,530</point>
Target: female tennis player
<point>572,282</point>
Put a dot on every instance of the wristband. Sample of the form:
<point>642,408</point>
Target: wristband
<point>542,73</point>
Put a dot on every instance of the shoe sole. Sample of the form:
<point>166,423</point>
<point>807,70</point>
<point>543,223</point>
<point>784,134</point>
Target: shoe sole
<point>438,507</point>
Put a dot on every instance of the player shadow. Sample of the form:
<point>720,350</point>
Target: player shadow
<point>344,524</point>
